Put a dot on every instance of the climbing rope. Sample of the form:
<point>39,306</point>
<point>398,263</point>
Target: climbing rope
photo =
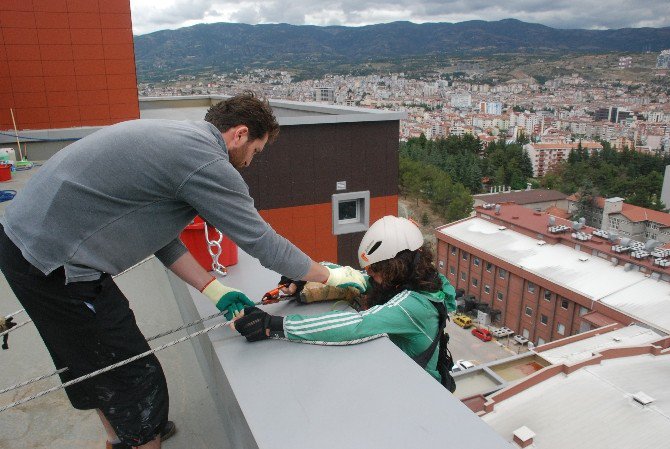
<point>160,348</point>
<point>62,370</point>
<point>111,367</point>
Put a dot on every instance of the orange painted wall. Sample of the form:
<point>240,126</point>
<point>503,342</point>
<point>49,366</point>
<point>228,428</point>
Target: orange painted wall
<point>66,63</point>
<point>310,227</point>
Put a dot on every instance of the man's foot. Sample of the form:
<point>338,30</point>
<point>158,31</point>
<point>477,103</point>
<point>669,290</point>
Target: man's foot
<point>118,446</point>
<point>169,429</point>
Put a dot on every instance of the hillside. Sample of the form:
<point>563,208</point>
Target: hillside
<point>224,47</point>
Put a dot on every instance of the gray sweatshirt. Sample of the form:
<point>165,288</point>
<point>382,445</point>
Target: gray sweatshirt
<point>125,192</point>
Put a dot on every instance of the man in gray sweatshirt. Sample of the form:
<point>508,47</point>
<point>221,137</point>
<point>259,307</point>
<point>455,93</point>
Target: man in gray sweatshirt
<point>110,200</point>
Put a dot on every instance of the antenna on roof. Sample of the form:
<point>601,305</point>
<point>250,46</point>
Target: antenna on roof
<point>498,209</point>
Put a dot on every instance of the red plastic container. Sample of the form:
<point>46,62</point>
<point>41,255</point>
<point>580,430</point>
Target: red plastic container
<point>193,237</point>
<point>6,172</point>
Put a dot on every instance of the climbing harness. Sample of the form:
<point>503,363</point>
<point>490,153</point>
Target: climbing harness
<point>214,248</point>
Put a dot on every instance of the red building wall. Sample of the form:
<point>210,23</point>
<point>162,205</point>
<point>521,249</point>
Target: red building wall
<point>66,63</point>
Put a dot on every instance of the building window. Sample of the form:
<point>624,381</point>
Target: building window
<point>351,212</point>
<point>540,341</point>
<point>583,311</point>
<point>452,270</point>
<point>547,295</point>
<point>487,289</point>
<point>463,275</point>
<point>560,329</point>
<point>564,304</point>
<point>464,255</point>
<point>489,265</point>
<point>502,273</point>
<point>475,260</point>
<point>531,287</point>
<point>453,250</point>
<point>544,319</point>
<point>529,311</point>
<point>475,282</point>
<point>500,296</point>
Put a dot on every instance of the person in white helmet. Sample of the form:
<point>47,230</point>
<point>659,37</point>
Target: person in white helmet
<point>409,302</point>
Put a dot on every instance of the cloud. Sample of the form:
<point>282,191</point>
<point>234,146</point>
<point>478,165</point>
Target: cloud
<point>152,15</point>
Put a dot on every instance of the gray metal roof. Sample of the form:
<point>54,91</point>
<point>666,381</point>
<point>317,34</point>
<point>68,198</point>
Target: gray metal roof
<point>594,407</point>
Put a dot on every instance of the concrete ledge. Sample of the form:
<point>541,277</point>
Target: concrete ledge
<point>279,394</point>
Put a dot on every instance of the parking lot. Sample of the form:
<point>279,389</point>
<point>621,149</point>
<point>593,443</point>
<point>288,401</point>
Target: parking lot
<point>464,345</point>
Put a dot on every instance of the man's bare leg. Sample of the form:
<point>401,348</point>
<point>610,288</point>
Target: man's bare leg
<point>111,434</point>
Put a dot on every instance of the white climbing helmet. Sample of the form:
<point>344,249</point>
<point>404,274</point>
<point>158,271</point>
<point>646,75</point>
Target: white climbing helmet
<point>386,238</point>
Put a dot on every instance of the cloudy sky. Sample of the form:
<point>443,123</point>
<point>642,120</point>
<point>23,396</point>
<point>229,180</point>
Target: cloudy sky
<point>153,15</point>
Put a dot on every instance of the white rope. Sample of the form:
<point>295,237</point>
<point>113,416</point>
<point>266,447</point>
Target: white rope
<point>15,313</point>
<point>163,334</point>
<point>33,380</point>
<point>111,367</point>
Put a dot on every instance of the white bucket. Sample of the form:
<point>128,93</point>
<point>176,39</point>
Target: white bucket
<point>11,154</point>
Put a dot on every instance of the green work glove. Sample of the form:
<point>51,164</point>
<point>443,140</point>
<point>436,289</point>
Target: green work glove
<point>225,298</point>
<point>344,277</point>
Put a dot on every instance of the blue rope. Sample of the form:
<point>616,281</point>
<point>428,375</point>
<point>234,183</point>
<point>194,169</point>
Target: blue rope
<point>6,195</point>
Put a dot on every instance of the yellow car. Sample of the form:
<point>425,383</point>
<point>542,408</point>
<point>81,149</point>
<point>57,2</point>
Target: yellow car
<point>463,321</point>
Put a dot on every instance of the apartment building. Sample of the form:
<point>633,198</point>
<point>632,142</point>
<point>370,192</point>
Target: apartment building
<point>545,155</point>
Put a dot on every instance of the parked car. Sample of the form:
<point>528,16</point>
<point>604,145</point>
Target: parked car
<point>502,332</point>
<point>520,339</point>
<point>481,333</point>
<point>462,365</point>
<point>463,320</point>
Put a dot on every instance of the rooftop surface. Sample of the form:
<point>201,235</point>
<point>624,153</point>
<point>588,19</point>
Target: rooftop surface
<point>581,350</point>
<point>536,224</point>
<point>523,196</point>
<point>595,405</point>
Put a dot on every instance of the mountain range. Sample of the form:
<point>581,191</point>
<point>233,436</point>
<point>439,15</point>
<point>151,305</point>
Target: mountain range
<point>225,47</point>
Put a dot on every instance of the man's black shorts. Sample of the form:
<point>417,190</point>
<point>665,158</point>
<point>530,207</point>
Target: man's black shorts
<point>87,326</point>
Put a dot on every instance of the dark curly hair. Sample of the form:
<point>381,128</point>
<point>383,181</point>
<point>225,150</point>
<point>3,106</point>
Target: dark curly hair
<point>248,110</point>
<point>411,270</point>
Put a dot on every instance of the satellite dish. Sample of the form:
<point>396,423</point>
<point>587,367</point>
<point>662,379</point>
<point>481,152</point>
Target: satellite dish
<point>552,221</point>
<point>625,241</point>
<point>576,225</point>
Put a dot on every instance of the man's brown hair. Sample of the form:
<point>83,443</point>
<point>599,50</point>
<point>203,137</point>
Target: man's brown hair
<point>248,110</point>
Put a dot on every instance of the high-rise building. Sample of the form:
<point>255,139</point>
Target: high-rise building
<point>663,60</point>
<point>324,94</point>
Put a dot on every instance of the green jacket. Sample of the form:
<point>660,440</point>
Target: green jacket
<point>409,319</point>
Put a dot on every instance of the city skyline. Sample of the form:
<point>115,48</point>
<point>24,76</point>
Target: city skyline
<point>151,15</point>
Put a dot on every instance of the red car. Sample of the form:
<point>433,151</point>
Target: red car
<point>481,333</point>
